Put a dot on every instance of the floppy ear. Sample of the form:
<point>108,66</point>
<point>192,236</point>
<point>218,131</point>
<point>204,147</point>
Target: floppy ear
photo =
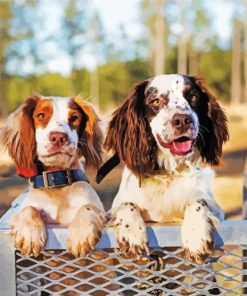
<point>213,122</point>
<point>129,133</point>
<point>90,137</point>
<point>18,134</point>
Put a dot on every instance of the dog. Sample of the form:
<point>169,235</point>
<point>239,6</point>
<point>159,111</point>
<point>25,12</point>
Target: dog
<point>165,130</point>
<point>46,137</point>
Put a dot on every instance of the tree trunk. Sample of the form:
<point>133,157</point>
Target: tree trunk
<point>5,16</point>
<point>94,88</point>
<point>193,62</point>
<point>3,96</point>
<point>182,41</point>
<point>245,58</point>
<point>236,64</point>
<point>159,39</point>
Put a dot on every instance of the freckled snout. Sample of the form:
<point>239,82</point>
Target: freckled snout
<point>58,139</point>
<point>182,122</point>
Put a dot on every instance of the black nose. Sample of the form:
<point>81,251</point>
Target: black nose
<point>182,122</point>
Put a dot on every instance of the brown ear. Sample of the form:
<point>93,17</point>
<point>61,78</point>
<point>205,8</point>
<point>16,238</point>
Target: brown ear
<point>90,138</point>
<point>18,134</point>
<point>129,133</point>
<point>213,122</point>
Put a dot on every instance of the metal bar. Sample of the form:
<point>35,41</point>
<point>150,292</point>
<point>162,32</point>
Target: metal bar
<point>7,265</point>
<point>245,197</point>
<point>230,232</point>
<point>245,218</point>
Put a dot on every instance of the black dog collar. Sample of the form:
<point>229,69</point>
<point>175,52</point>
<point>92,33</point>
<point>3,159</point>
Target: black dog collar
<point>107,167</point>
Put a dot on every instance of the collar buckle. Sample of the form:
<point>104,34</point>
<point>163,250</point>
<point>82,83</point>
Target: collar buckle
<point>47,181</point>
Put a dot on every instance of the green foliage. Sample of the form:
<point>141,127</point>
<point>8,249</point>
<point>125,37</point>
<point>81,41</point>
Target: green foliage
<point>119,67</point>
<point>52,84</point>
<point>115,81</point>
<point>215,66</point>
<point>18,90</point>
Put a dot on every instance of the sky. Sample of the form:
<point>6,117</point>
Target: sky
<point>113,14</point>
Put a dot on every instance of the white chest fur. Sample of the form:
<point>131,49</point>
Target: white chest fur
<point>162,198</point>
<point>59,205</point>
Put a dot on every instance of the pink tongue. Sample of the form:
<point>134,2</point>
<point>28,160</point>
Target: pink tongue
<point>182,147</point>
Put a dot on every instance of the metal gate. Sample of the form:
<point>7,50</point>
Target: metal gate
<point>105,272</point>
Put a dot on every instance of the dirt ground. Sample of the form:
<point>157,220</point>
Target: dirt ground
<point>228,187</point>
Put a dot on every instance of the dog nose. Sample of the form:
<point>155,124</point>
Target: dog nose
<point>58,139</point>
<point>182,122</point>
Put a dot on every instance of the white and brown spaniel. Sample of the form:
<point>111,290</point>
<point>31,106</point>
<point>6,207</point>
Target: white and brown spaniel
<point>46,136</point>
<point>167,125</point>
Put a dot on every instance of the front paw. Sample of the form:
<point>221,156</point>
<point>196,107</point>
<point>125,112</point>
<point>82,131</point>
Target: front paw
<point>29,233</point>
<point>197,231</point>
<point>130,231</point>
<point>85,231</point>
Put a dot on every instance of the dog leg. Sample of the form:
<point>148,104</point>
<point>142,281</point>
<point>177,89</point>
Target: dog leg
<point>29,233</point>
<point>197,230</point>
<point>85,230</point>
<point>130,230</point>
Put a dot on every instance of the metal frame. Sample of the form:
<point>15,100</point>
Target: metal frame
<point>231,232</point>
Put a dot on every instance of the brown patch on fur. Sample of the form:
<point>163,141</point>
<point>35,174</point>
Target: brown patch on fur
<point>214,125</point>
<point>155,102</point>
<point>90,136</point>
<point>18,134</point>
<point>129,134</point>
<point>42,113</point>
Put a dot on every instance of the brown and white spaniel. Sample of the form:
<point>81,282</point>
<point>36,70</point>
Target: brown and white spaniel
<point>165,128</point>
<point>46,136</point>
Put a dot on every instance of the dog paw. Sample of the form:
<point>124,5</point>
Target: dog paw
<point>85,231</point>
<point>197,231</point>
<point>130,231</point>
<point>28,232</point>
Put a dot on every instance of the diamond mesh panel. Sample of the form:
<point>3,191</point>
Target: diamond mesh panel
<point>164,272</point>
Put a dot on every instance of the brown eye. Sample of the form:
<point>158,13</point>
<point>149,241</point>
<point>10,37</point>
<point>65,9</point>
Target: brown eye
<point>74,118</point>
<point>41,115</point>
<point>155,103</point>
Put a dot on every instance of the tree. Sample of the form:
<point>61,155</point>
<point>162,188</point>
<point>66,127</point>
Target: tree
<point>200,37</point>
<point>75,25</point>
<point>236,63</point>
<point>5,17</point>
<point>182,40</point>
<point>154,22</point>
<point>159,39</point>
<point>245,55</point>
<point>25,46</point>
<point>96,41</point>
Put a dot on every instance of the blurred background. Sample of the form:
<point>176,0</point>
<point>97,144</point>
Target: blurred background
<point>100,48</point>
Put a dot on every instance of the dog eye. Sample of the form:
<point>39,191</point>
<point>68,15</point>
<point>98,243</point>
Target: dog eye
<point>155,103</point>
<point>74,118</point>
<point>41,115</point>
<point>193,99</point>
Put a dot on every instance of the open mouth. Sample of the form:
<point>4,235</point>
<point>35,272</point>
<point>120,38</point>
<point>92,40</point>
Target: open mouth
<point>180,146</point>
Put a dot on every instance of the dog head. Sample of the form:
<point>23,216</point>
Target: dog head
<point>167,119</point>
<point>55,130</point>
